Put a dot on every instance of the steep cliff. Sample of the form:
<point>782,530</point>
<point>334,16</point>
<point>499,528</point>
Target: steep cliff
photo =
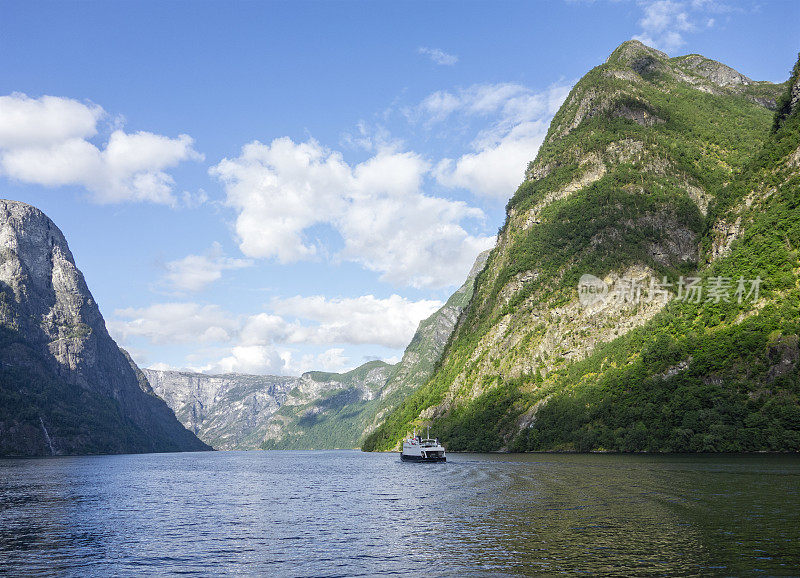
<point>65,386</point>
<point>625,197</point>
<point>317,410</point>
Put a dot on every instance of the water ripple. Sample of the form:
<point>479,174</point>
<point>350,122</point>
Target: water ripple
<point>353,514</point>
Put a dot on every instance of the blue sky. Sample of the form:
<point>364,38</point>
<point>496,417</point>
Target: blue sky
<point>274,187</point>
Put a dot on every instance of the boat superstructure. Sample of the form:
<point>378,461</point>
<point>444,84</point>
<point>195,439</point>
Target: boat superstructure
<point>418,449</point>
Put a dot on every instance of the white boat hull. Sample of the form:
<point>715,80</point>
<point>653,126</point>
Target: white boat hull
<point>416,449</point>
<point>407,458</point>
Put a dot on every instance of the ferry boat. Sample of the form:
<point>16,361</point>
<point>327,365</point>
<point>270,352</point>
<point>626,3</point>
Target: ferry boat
<point>416,449</point>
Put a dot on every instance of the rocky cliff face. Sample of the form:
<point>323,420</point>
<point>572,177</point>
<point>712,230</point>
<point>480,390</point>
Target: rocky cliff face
<point>66,386</point>
<point>317,410</point>
<point>633,174</point>
<point>227,411</point>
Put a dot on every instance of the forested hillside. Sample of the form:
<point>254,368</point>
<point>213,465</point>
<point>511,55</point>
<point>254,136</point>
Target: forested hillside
<point>643,294</point>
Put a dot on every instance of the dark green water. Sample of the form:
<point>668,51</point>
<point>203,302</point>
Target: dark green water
<point>343,513</point>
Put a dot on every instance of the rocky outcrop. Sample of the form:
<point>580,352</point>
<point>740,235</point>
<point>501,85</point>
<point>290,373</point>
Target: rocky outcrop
<point>794,101</point>
<point>66,386</point>
<point>714,71</point>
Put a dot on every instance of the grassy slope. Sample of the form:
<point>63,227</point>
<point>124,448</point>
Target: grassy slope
<point>702,139</point>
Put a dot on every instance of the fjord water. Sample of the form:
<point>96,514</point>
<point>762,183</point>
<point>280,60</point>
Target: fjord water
<point>346,513</point>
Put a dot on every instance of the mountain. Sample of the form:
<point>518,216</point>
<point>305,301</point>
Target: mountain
<point>237,411</point>
<point>226,411</point>
<point>317,410</point>
<point>656,173</point>
<point>329,410</point>
<point>65,386</point>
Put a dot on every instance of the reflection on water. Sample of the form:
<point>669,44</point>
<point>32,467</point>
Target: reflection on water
<point>347,513</point>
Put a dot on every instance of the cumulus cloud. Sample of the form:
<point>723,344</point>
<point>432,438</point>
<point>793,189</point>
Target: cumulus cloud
<point>265,329</point>
<point>30,122</point>
<point>261,359</point>
<point>517,124</point>
<point>665,23</point>
<point>390,322</point>
<point>497,169</point>
<point>254,359</point>
<point>265,342</point>
<point>195,272</point>
<point>387,223</point>
<point>316,320</point>
<point>438,56</point>
<point>47,141</point>
<point>165,323</point>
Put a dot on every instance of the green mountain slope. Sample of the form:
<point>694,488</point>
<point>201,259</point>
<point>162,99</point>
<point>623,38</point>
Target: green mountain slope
<point>647,173</point>
<point>328,410</point>
<point>708,376</point>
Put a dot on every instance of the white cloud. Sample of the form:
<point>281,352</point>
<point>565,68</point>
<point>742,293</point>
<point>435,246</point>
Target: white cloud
<point>415,241</point>
<point>438,56</point>
<point>254,359</point>
<point>332,360</point>
<point>261,359</point>
<point>477,99</point>
<point>28,122</point>
<point>388,225</point>
<point>316,320</point>
<point>280,190</point>
<point>496,169</point>
<point>195,272</point>
<point>266,342</point>
<point>265,329</point>
<point>665,23</point>
<point>501,152</point>
<point>46,141</point>
<point>165,323</point>
<point>389,322</point>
